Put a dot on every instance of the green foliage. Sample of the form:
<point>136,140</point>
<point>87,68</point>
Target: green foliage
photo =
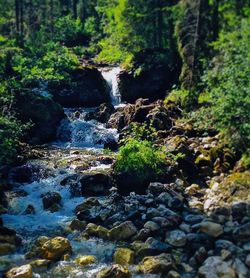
<point>141,159</point>
<point>129,28</point>
<point>54,63</point>
<point>140,132</point>
<point>229,85</point>
<point>178,96</point>
<point>10,132</point>
<point>69,30</point>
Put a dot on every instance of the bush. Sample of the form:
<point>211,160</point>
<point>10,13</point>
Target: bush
<point>56,63</point>
<point>180,97</point>
<point>70,31</point>
<point>141,159</point>
<point>139,132</point>
<point>10,132</point>
<point>229,86</point>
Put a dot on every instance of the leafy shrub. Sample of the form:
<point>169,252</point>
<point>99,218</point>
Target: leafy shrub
<point>141,159</point>
<point>70,31</point>
<point>229,85</point>
<point>10,132</point>
<point>140,132</point>
<point>184,98</point>
<point>55,63</point>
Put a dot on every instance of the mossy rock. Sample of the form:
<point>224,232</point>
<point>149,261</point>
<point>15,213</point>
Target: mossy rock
<point>43,113</point>
<point>235,187</point>
<point>223,157</point>
<point>98,231</point>
<point>86,260</point>
<point>156,264</point>
<point>202,161</point>
<point>114,271</point>
<point>124,256</point>
<point>40,264</point>
<point>6,248</point>
<point>55,248</point>
<point>24,271</point>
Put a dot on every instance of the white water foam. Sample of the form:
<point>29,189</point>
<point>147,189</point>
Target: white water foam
<point>111,75</point>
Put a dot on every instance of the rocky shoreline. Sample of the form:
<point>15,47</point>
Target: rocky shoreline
<point>195,223</point>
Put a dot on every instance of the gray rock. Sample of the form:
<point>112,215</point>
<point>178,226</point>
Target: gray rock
<point>123,231</point>
<point>143,234</point>
<point>51,200</point>
<point>156,188</point>
<point>215,267</point>
<point>247,261</point>
<point>176,238</point>
<point>152,226</point>
<point>243,232</point>
<point>210,228</point>
<point>193,218</point>
<point>240,269</point>
<point>95,184</point>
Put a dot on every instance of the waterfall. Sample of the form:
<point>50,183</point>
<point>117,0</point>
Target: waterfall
<point>78,131</point>
<point>110,75</point>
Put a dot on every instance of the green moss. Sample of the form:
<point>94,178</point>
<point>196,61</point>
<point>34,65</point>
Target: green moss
<point>236,187</point>
<point>202,160</point>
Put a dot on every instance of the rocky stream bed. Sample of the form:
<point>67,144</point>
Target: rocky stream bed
<point>65,216</point>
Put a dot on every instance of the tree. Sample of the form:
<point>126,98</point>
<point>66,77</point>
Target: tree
<point>193,38</point>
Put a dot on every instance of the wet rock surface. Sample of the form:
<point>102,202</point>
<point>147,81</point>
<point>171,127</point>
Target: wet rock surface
<point>88,89</point>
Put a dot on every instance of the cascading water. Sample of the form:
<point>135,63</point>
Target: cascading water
<point>111,75</point>
<point>77,134</point>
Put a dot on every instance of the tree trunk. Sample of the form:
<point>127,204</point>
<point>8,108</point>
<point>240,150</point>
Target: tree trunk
<point>159,24</point>
<point>17,9</point>
<point>215,19</point>
<point>52,16</point>
<point>21,18</point>
<point>75,9</point>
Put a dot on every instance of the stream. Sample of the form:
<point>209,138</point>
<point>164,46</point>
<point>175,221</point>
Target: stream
<point>78,140</point>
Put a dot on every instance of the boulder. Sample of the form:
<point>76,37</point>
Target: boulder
<point>24,271</point>
<point>102,114</point>
<point>51,201</point>
<point>95,184</point>
<point>173,274</point>
<point>28,173</point>
<point>151,247</point>
<point>152,226</point>
<point>176,238</point>
<point>152,81</point>
<point>161,264</point>
<point>159,119</point>
<point>8,236</point>
<point>30,210</point>
<point>7,248</point>
<point>42,112</point>
<point>98,231</point>
<point>86,89</point>
<point>55,248</point>
<point>114,271</point>
<point>77,225</point>
<point>85,260</point>
<point>124,256</point>
<point>90,215</point>
<point>40,265</point>
<point>210,228</point>
<point>214,267</point>
<point>242,233</point>
<point>123,231</point>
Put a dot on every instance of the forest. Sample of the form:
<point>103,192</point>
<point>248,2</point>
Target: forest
<point>124,138</point>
